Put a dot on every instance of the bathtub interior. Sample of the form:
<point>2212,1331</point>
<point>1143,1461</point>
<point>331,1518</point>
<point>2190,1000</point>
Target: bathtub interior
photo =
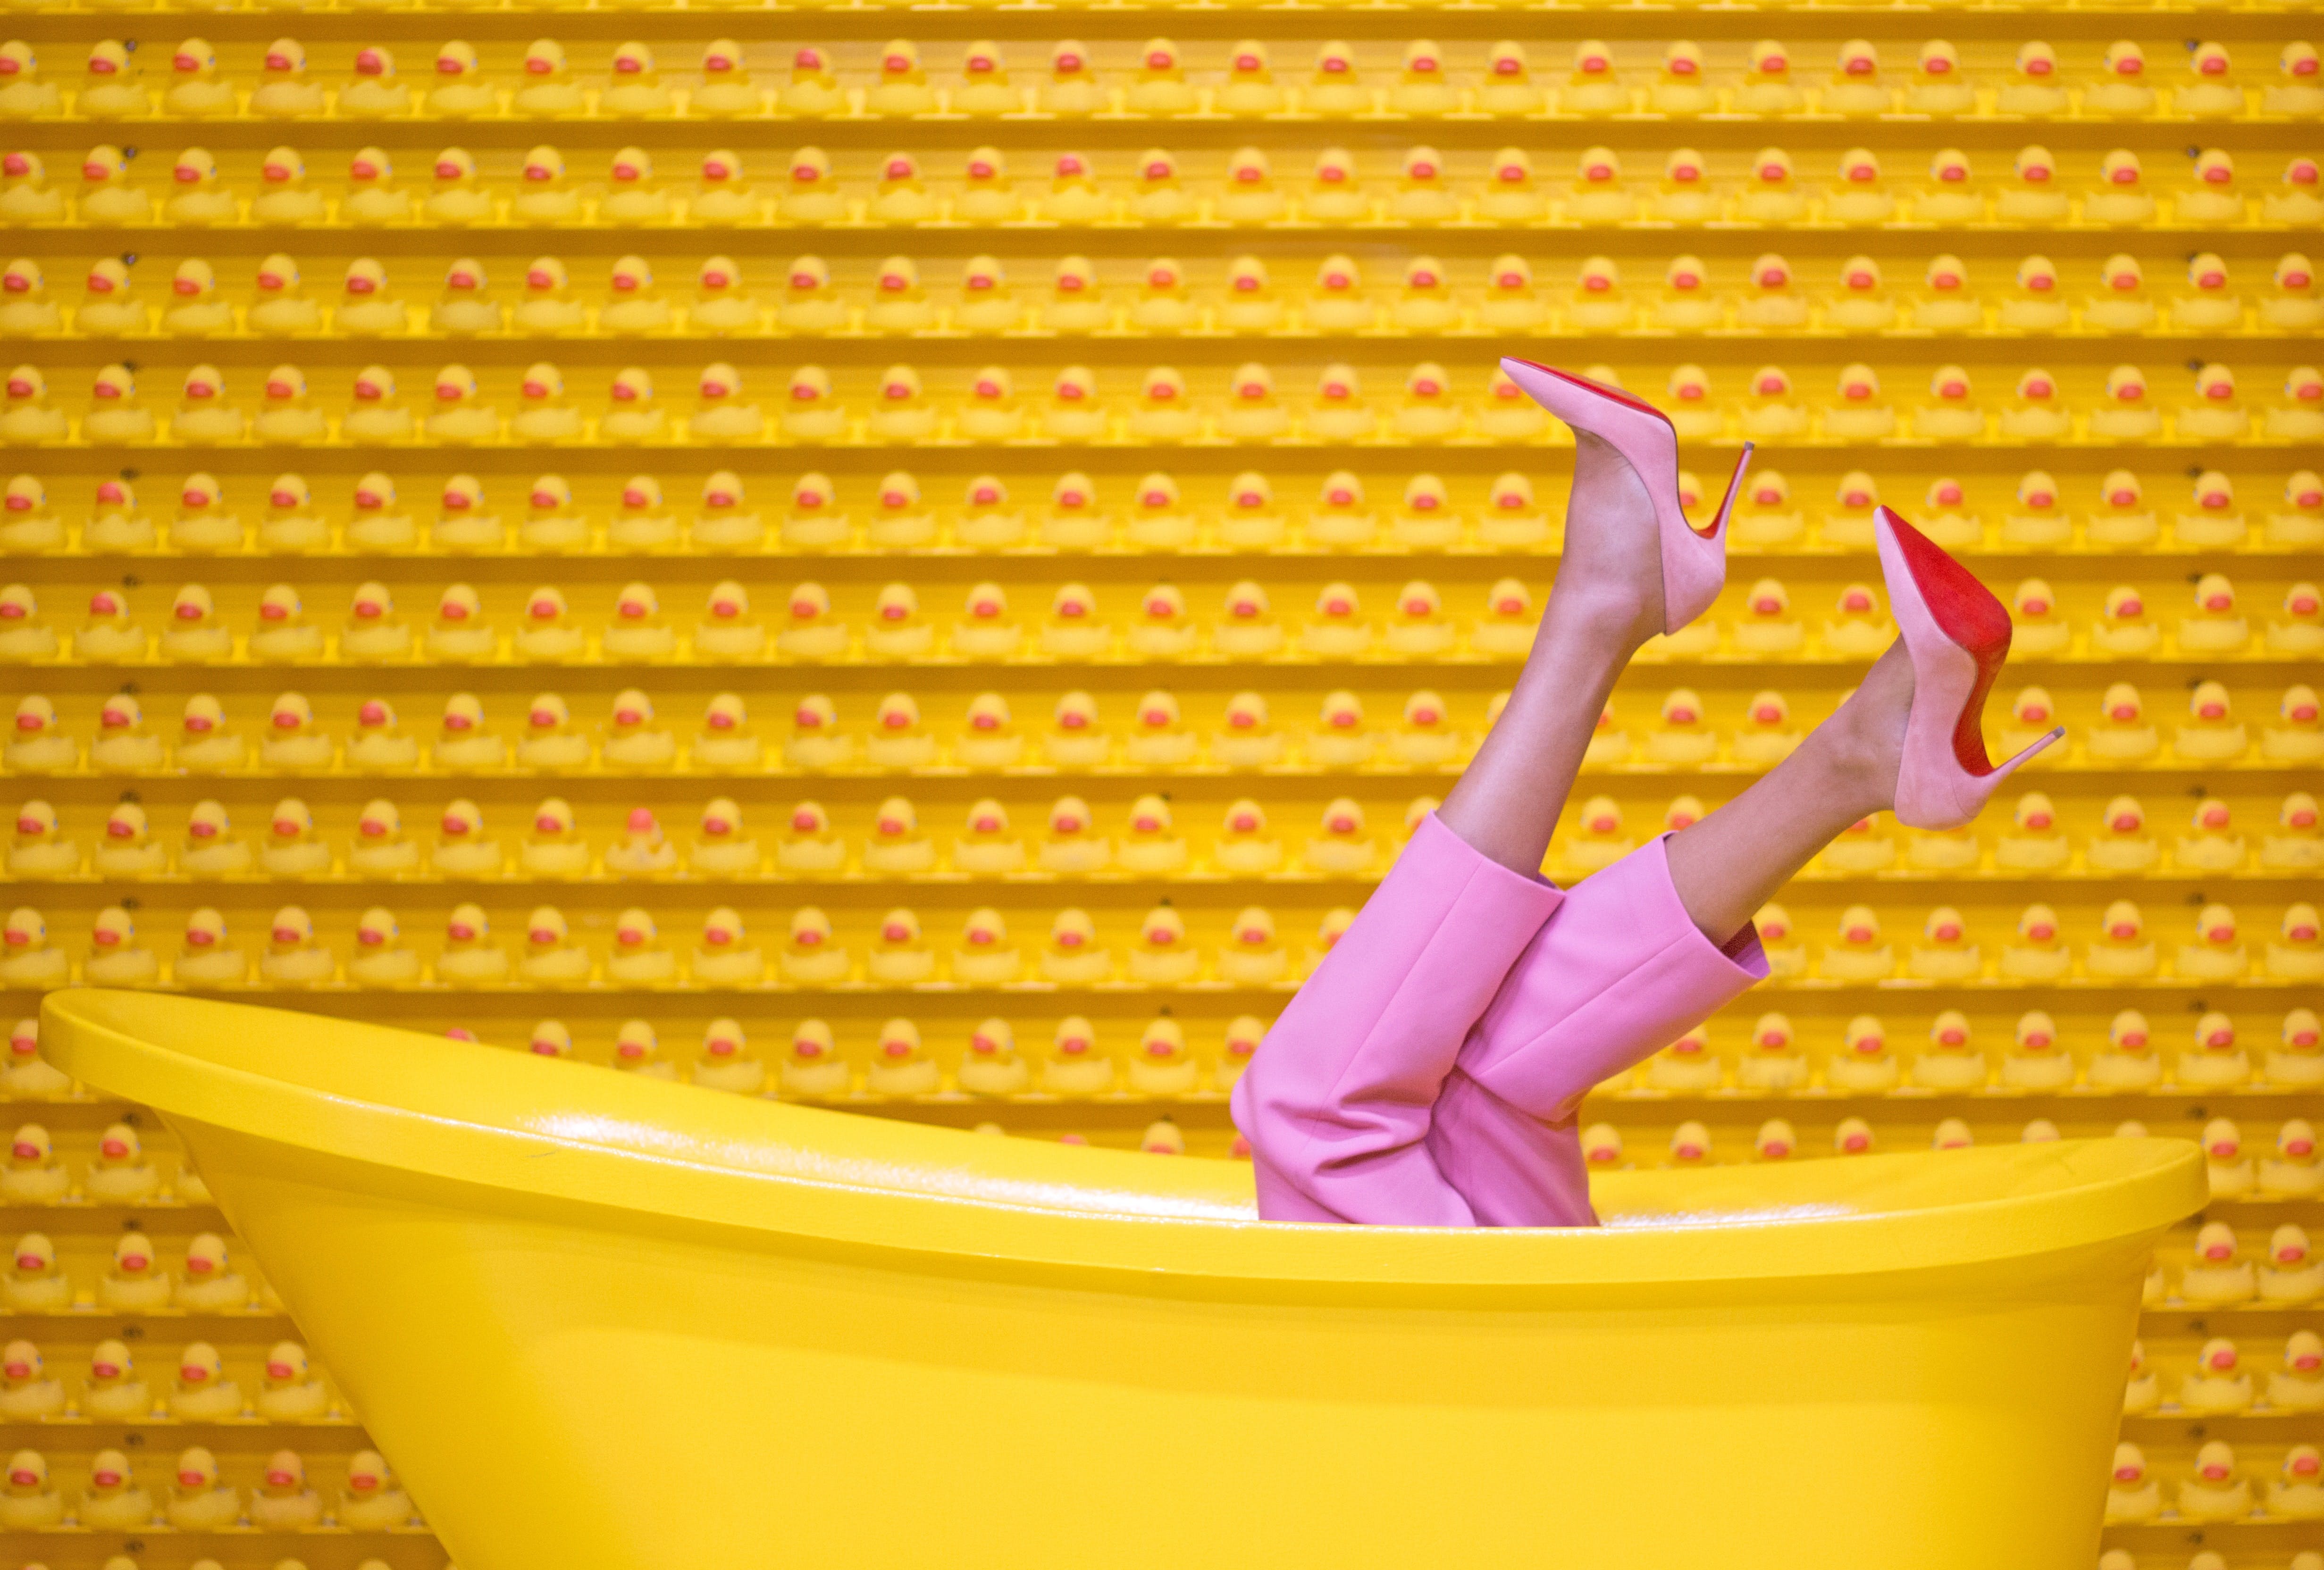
<point>479,1113</point>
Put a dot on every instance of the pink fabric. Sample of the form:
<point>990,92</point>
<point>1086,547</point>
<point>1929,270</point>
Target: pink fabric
<point>1429,1073</point>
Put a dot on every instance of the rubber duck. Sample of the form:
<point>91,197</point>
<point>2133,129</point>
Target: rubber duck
<point>196,310</point>
<point>207,740</point>
<point>2298,740</point>
<point>203,1392</point>
<point>207,958</point>
<point>374,91</point>
<point>34,1176</point>
<point>27,524</point>
<point>1684,737</point>
<point>2228,1166</point>
<point>1162,1066</point>
<point>1772,1062</point>
<point>27,198</point>
<point>464,741</point>
<point>550,739</point>
<point>2291,1169</point>
<point>284,92</point>
<point>24,94</point>
<point>40,850</point>
<point>115,413</point>
<point>2129,1061</point>
<point>38,745</point>
<point>1244,847</point>
<point>35,1284</point>
<point>470,956</point>
<point>1952,1062</point>
<point>813,1068</point>
<point>726,958</point>
<point>373,1502</point>
<point>1687,1066</point>
<point>283,1502</point>
<point>1343,846</point>
<point>900,1064</point>
<point>633,737</point>
<point>901,954</point>
<point>372,198</point>
<point>200,198</point>
<point>1766,735</point>
<point>380,848</point>
<point>553,849</point>
<point>459,634</point>
<point>2034,89</point>
<point>2035,1060</point>
<point>109,306</point>
<point>115,1499</point>
<point>2212,89</point>
<point>2296,200</point>
<point>460,416</point>
<point>636,89</point>
<point>462,848</point>
<point>22,636</point>
<point>2122,88</point>
<point>133,1282</point>
<point>727,1063</point>
<point>1860,196</point>
<point>31,1501</point>
<point>2215,1491</point>
<point>2217,1060</point>
<point>1861,954</point>
<point>546,88</point>
<point>25,1075</point>
<point>2120,198</point>
<point>2217,1385</point>
<point>2298,847</point>
<point>294,956</point>
<point>211,849</point>
<point>2211,732</point>
<point>2036,305</point>
<point>2297,1495</point>
<point>459,196</point>
<point>381,957</point>
<point>2035,413</point>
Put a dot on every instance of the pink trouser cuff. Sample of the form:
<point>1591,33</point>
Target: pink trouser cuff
<point>1337,1101</point>
<point>1621,973</point>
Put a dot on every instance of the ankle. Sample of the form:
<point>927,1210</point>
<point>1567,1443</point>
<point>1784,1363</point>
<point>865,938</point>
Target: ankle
<point>1609,619</point>
<point>1857,756</point>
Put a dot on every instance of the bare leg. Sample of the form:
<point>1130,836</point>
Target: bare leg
<point>1732,862</point>
<point>1606,602</point>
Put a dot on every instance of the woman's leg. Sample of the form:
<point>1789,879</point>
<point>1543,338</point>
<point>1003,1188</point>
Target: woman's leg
<point>1730,862</point>
<point>1338,1102</point>
<point>1641,951</point>
<point>1606,603</point>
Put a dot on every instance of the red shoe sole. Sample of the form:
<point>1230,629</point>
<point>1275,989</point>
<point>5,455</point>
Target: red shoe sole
<point>1967,613</point>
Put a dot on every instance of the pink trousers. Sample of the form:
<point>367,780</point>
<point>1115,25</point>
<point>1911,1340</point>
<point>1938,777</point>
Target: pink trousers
<point>1429,1073</point>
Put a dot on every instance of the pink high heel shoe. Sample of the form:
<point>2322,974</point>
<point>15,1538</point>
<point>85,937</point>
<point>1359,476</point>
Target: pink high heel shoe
<point>1958,635</point>
<point>1695,560</point>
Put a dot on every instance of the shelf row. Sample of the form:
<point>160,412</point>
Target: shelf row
<point>869,22</point>
<point>271,627</point>
<point>1159,79</point>
<point>863,850</point>
<point>1170,947</point>
<point>200,198</point>
<point>1165,732</point>
<point>868,308</point>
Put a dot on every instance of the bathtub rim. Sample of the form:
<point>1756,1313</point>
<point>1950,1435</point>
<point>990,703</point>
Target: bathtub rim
<point>850,1178</point>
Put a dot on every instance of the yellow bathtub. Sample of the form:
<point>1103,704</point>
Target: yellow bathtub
<point>605,1323</point>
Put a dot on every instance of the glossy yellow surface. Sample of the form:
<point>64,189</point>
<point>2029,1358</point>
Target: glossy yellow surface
<point>680,1328</point>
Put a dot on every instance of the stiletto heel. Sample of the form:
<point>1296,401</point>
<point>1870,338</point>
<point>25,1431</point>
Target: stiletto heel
<point>1958,635</point>
<point>1693,560</point>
